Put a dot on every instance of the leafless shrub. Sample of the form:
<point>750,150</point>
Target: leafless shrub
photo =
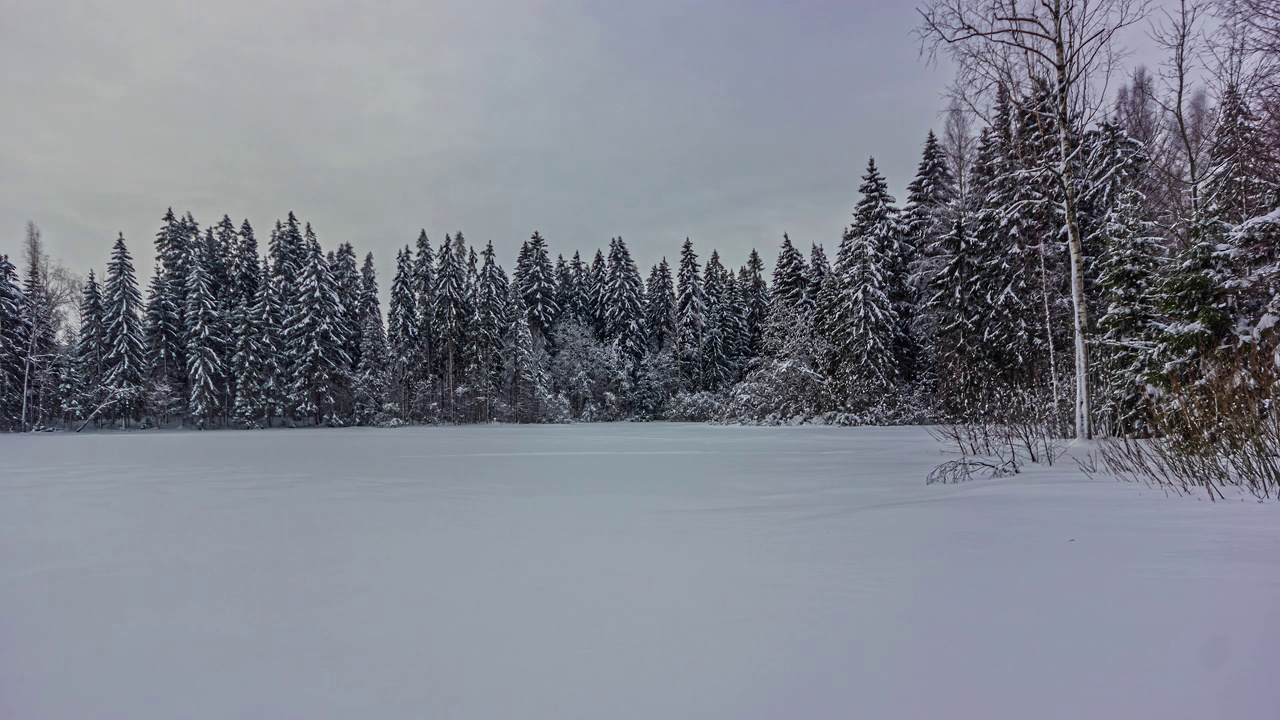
<point>1012,429</point>
<point>1219,432</point>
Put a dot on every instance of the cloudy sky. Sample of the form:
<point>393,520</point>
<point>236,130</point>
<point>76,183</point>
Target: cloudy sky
<point>728,121</point>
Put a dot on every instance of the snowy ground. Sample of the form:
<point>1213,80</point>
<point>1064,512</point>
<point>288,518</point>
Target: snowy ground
<point>613,571</point>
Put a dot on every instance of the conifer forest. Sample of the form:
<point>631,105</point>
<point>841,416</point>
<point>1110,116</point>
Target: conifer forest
<point>1064,253</point>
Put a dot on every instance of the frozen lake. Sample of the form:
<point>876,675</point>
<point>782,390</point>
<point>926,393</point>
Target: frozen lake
<point>613,571</point>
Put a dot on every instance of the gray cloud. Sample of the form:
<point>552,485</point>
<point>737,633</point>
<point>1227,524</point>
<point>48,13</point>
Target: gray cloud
<point>729,122</point>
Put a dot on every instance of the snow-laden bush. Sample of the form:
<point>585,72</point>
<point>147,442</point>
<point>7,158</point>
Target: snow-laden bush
<point>786,385</point>
<point>696,407</point>
<point>588,376</point>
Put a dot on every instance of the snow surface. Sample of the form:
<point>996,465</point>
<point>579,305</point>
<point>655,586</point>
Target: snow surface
<point>613,571</point>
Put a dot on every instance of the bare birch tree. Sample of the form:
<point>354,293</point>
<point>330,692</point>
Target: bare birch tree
<point>1075,46</point>
<point>1246,48</point>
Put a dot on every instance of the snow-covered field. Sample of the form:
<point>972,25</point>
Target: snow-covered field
<point>613,571</point>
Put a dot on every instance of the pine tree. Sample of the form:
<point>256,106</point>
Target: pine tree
<point>573,290</point>
<point>287,252</point>
<point>219,257</point>
<point>624,306</point>
<point>71,390</point>
<point>204,366</point>
<point>755,301</point>
<point>930,201</point>
<point>163,346</point>
<point>318,360</point>
<point>491,323</point>
<point>402,333</point>
<point>1192,300</point>
<point>216,254</point>
<point>717,361</point>
<point>1127,324</point>
<point>951,319</point>
<point>863,326</point>
<point>1254,289</point>
<point>568,294</point>
<point>535,281</point>
<point>424,359</point>
<point>791,281</point>
<point>691,319</point>
<point>529,362</point>
<point>1241,181</point>
<point>1009,231</point>
<point>166,303</point>
<point>371,377</point>
<point>819,269</point>
<point>660,307</point>
<point>13,345</point>
<point>246,266</point>
<point>122,359</point>
<point>349,323</point>
<point>595,286</point>
<point>929,196</point>
<point>876,217</point>
<point>89,349</point>
<point>732,323</point>
<point>452,319</point>
<point>253,362</point>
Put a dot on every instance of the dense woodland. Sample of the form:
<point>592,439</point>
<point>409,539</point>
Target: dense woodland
<point>1075,272</point>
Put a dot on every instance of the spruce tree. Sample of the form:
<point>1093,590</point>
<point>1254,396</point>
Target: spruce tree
<point>215,254</point>
<point>951,319</point>
<point>819,269</point>
<point>491,323</point>
<point>402,333</point>
<point>424,360</point>
<point>371,376</point>
<point>691,319</point>
<point>791,280</point>
<point>877,218</point>
<point>660,307</point>
<point>122,359</point>
<point>572,292</point>
<point>166,304</point>
<point>349,290</point>
<point>930,200</point>
<point>318,360</point>
<point>755,300</point>
<point>1242,180</point>
<point>1009,220</point>
<point>535,281</point>
<point>1127,325</point>
<point>528,366</point>
<point>204,366</point>
<point>452,320</point>
<point>1193,301</point>
<point>1254,290</point>
<point>732,322</point>
<point>717,362</point>
<point>246,266</point>
<point>13,345</point>
<point>89,348</point>
<point>929,196</point>
<point>862,323</point>
<point>624,305</point>
<point>252,363</point>
<point>567,294</point>
<point>595,286</point>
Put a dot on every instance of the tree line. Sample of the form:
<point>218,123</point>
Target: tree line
<point>1053,257</point>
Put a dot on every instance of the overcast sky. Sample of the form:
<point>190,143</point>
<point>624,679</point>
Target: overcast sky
<point>728,121</point>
